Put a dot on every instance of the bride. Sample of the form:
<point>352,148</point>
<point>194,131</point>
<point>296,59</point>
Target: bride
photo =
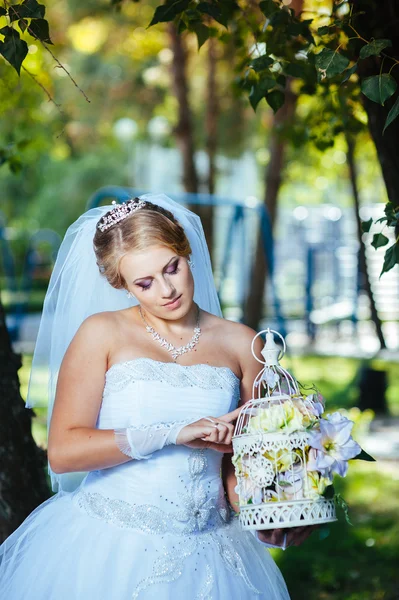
<point>146,379</point>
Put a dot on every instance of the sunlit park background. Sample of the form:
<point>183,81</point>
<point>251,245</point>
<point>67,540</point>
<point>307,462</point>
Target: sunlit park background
<point>127,106</point>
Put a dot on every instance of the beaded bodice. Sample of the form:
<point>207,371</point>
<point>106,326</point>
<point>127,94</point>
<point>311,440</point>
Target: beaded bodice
<point>179,489</point>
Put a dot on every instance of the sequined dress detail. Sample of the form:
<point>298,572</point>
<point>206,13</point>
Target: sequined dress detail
<point>157,528</point>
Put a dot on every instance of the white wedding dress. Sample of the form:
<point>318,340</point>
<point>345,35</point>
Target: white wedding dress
<point>157,528</point>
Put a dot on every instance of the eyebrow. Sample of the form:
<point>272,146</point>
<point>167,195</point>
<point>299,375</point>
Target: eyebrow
<point>165,267</point>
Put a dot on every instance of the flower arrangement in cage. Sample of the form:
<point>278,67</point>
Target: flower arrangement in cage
<point>286,450</point>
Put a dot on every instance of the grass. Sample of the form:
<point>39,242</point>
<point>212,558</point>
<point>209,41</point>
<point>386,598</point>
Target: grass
<point>337,378</point>
<point>358,562</point>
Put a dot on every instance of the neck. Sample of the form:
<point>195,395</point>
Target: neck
<point>175,327</point>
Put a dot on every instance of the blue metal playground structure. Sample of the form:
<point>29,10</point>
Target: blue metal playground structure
<point>20,287</point>
<point>308,263</point>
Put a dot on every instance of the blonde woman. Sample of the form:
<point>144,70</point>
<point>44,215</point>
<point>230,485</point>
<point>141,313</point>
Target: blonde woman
<point>145,377</point>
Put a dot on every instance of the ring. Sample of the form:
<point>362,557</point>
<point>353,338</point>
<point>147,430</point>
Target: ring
<point>212,421</point>
<point>284,546</point>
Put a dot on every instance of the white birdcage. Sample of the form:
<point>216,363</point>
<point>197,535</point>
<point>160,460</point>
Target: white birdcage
<point>271,450</point>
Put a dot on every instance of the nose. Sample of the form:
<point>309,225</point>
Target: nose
<point>167,288</point>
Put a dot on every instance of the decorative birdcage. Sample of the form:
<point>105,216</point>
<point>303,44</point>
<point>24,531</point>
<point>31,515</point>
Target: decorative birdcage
<point>271,451</point>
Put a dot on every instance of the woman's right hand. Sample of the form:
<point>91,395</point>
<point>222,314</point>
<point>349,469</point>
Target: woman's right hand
<point>210,432</point>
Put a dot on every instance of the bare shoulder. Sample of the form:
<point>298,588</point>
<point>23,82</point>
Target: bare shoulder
<point>234,330</point>
<point>100,322</point>
<point>97,332</point>
<point>236,336</point>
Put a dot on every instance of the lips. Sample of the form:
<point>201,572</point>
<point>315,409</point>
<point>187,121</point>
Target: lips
<point>172,301</point>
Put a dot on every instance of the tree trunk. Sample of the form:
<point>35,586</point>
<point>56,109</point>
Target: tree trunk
<point>211,124</point>
<point>253,309</point>
<point>254,305</point>
<point>362,249</point>
<point>184,128</point>
<point>380,19</point>
<point>23,483</point>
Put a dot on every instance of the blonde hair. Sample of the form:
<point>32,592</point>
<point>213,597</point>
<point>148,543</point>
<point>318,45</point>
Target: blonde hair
<point>151,225</point>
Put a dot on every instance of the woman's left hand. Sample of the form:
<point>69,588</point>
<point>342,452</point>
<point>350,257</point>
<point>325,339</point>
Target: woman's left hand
<point>295,535</point>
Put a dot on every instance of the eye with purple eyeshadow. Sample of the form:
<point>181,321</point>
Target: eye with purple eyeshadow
<point>171,269</point>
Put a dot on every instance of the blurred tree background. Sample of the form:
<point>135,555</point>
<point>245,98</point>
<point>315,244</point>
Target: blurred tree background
<point>118,89</point>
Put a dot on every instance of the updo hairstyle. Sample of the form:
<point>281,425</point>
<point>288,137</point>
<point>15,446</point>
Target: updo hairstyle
<point>151,225</point>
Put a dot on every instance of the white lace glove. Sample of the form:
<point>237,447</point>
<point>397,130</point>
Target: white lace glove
<point>141,442</point>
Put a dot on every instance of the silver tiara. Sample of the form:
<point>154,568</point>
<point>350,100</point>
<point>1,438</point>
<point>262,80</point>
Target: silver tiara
<point>120,212</point>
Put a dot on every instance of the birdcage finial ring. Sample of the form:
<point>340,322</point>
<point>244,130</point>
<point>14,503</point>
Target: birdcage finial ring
<point>268,330</point>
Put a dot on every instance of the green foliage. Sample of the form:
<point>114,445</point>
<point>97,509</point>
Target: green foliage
<point>363,455</point>
<point>391,258</point>
<point>342,504</point>
<point>169,10</point>
<point>392,115</point>
<point>379,240</point>
<point>275,99</point>
<point>366,225</point>
<point>260,90</point>
<point>339,562</point>
<point>330,63</point>
<point>12,48</point>
<point>379,88</point>
<point>29,16</point>
<point>374,48</point>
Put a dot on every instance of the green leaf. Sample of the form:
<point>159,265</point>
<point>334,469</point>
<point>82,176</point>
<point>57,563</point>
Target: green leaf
<point>268,7</point>
<point>348,73</point>
<point>379,240</point>
<point>329,492</point>
<point>168,11</point>
<point>30,9</point>
<point>392,213</point>
<point>281,80</point>
<point>212,10</point>
<point>330,63</point>
<point>23,24</point>
<point>374,48</point>
<point>295,70</point>
<point>339,501</point>
<point>275,100</point>
<point>323,30</point>
<point>181,27</point>
<point>261,63</point>
<point>391,258</point>
<point>259,90</point>
<point>364,456</point>
<point>39,29</point>
<point>13,48</point>
<point>379,88</point>
<point>393,113</point>
<point>202,32</point>
<point>366,225</point>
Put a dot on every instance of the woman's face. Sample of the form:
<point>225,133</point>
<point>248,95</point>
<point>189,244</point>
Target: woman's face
<point>160,279</point>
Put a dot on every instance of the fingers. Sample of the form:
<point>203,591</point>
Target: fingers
<point>297,535</point>
<point>294,536</point>
<point>231,416</point>
<point>220,432</point>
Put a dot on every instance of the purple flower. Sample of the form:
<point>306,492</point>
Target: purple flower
<point>333,446</point>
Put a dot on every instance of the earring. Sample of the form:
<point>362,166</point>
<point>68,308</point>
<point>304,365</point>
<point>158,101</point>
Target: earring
<point>190,263</point>
<point>129,294</point>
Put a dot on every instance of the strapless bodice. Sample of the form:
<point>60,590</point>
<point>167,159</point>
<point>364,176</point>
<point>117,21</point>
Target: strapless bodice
<point>178,488</point>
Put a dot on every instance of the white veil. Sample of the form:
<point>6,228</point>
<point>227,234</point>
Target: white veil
<point>78,290</point>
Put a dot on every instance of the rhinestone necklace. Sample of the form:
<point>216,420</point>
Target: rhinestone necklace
<point>176,352</point>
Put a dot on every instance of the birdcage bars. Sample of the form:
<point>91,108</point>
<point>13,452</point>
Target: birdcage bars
<point>270,449</point>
